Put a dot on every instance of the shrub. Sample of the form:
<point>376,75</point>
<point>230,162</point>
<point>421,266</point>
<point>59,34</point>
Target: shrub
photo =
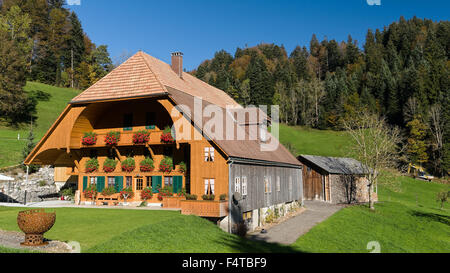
<point>270,216</point>
<point>166,136</point>
<point>108,191</point>
<point>147,165</point>
<point>91,165</point>
<point>141,137</point>
<point>442,197</point>
<point>112,138</point>
<point>183,167</point>
<point>126,193</point>
<point>209,197</point>
<point>128,165</point>
<point>90,192</point>
<point>146,193</point>
<point>223,197</point>
<point>182,193</point>
<point>42,183</point>
<point>165,192</point>
<point>191,197</point>
<point>67,192</point>
<point>89,138</point>
<point>166,165</point>
<point>109,165</point>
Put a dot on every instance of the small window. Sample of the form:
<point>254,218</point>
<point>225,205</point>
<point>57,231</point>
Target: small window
<point>129,181</point>
<point>139,184</point>
<point>237,184</point>
<point>149,181</point>
<point>111,181</point>
<point>209,154</point>
<point>244,185</point>
<point>150,120</point>
<point>278,184</point>
<point>168,181</point>
<point>93,181</point>
<point>128,122</point>
<point>247,215</point>
<point>209,186</point>
<point>267,184</point>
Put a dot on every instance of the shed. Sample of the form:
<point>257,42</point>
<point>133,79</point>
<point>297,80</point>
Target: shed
<point>334,179</point>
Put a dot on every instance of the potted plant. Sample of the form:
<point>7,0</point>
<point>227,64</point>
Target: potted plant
<point>183,167</point>
<point>90,193</point>
<point>182,193</point>
<point>208,197</point>
<point>89,138</point>
<point>147,165</point>
<point>108,191</point>
<point>109,165</point>
<point>128,165</point>
<point>223,197</point>
<point>166,165</point>
<point>146,194</point>
<point>112,138</point>
<point>91,165</point>
<point>165,192</point>
<point>191,197</point>
<point>125,194</point>
<point>166,136</point>
<point>141,137</point>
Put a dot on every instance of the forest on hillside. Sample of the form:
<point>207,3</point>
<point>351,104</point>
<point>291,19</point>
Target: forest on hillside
<point>42,41</point>
<point>402,73</point>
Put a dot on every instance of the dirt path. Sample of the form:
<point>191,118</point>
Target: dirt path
<point>289,231</point>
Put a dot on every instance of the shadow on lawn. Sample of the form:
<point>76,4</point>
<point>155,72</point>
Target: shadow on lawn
<point>444,219</point>
<point>244,245</point>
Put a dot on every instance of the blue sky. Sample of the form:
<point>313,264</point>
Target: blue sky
<point>199,28</point>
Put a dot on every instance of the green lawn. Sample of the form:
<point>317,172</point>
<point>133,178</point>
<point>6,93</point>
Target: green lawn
<point>405,221</point>
<point>134,231</point>
<point>315,142</point>
<point>47,113</point>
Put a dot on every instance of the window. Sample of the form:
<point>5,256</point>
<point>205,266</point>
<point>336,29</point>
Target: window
<point>168,181</point>
<point>128,122</point>
<point>111,181</point>
<point>244,185</point>
<point>209,154</point>
<point>150,120</point>
<point>247,215</point>
<point>149,181</point>
<point>209,186</point>
<point>267,184</point>
<point>278,184</point>
<point>237,184</point>
<point>139,184</point>
<point>93,181</point>
<point>129,181</point>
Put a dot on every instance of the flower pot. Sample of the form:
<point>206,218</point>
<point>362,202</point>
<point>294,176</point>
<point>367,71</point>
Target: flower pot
<point>34,223</point>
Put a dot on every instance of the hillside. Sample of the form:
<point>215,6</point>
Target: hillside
<point>47,112</point>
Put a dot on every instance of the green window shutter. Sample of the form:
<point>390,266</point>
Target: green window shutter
<point>85,182</point>
<point>118,183</point>
<point>177,184</point>
<point>156,183</point>
<point>100,183</point>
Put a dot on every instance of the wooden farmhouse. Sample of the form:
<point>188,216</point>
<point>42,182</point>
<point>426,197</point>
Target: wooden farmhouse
<point>334,179</point>
<point>109,135</point>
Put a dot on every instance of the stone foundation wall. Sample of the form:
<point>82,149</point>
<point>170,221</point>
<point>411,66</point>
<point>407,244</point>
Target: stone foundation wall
<point>349,189</point>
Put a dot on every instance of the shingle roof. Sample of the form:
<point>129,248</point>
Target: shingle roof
<point>143,75</point>
<point>335,165</point>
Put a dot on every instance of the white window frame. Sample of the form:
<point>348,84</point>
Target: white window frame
<point>209,154</point>
<point>237,184</point>
<point>244,186</point>
<point>209,184</point>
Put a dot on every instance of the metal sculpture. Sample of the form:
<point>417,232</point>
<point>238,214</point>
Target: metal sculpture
<point>34,223</point>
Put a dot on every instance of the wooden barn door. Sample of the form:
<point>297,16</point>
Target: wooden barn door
<point>312,184</point>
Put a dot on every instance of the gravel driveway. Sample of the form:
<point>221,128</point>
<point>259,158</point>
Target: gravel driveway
<point>289,231</point>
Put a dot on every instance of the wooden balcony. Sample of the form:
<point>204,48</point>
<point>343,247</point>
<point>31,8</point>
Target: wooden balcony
<point>126,139</point>
<point>204,208</point>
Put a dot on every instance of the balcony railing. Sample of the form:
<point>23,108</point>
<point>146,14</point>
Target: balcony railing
<point>126,139</point>
<point>204,208</point>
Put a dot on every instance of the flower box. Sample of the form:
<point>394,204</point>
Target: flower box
<point>141,137</point>
<point>128,165</point>
<point>89,139</point>
<point>147,165</point>
<point>204,208</point>
<point>166,165</point>
<point>166,136</point>
<point>91,165</point>
<point>112,138</point>
<point>109,165</point>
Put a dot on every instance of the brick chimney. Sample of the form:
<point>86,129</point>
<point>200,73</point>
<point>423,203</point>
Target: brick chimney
<point>177,63</point>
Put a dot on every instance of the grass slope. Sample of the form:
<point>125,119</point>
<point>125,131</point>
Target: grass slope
<point>47,113</point>
<point>315,142</point>
<point>140,231</point>
<point>406,221</point>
